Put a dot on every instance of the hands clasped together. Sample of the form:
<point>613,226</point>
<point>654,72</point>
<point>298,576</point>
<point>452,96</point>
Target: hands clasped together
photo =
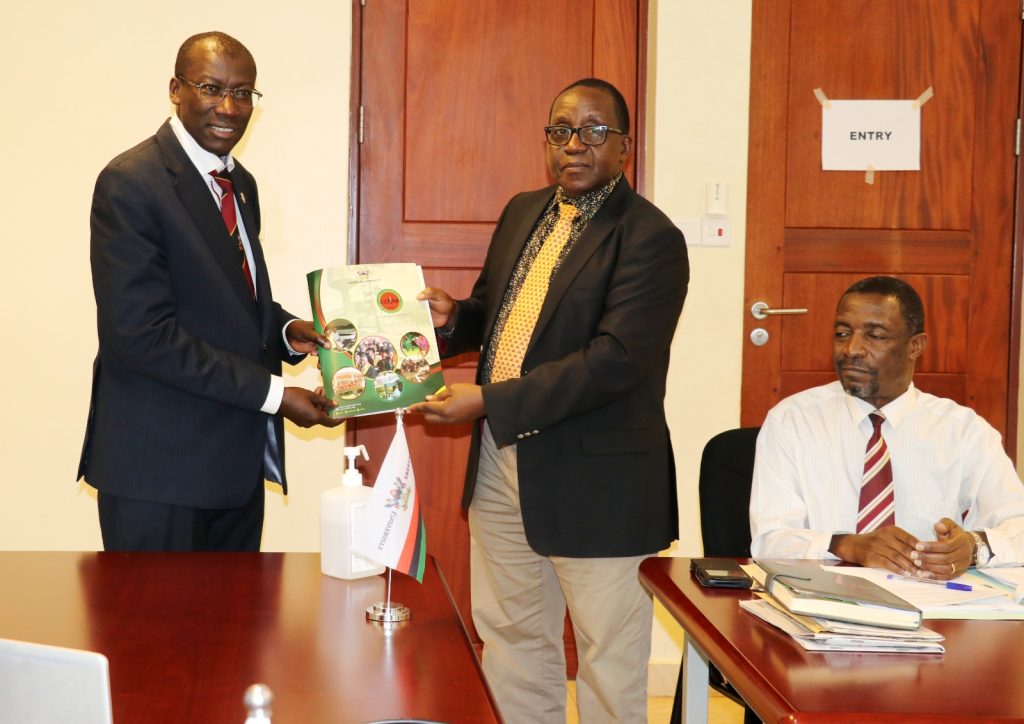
<point>893,548</point>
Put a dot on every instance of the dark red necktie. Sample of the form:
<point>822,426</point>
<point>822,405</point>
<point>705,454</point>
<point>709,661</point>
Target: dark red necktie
<point>877,496</point>
<point>227,212</point>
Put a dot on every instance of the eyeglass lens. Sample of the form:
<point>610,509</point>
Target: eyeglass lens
<point>589,135</point>
<point>241,96</point>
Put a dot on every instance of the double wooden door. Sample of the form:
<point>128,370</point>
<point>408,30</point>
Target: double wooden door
<point>452,98</point>
<point>948,229</point>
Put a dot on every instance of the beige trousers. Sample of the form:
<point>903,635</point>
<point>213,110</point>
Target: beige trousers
<point>519,603</point>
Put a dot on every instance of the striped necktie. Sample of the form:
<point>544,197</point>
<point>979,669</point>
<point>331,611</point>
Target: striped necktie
<point>227,212</point>
<point>877,497</point>
<point>515,335</point>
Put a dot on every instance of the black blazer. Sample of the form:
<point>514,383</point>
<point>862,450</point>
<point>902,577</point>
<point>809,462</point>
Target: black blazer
<point>185,354</point>
<point>596,473</point>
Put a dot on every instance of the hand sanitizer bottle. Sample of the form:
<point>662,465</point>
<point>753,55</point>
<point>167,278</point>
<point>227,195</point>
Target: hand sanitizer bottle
<point>340,508</point>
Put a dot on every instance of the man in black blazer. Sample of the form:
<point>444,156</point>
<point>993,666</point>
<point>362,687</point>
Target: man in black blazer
<point>570,482</point>
<point>185,421</point>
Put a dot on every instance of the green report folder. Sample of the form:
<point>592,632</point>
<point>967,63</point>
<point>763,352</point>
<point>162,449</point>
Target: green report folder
<point>806,589</point>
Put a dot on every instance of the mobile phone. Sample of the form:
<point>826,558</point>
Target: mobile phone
<point>719,573</point>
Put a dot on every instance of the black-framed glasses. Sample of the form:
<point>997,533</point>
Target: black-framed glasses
<point>589,135</point>
<point>214,93</point>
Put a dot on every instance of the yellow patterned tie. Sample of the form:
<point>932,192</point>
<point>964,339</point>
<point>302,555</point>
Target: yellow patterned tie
<point>515,336</point>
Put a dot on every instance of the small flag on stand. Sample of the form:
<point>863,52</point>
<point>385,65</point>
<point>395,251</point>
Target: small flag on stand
<point>390,530</point>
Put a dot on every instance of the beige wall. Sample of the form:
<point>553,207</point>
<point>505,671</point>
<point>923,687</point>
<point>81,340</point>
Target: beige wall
<point>698,88</point>
<point>84,81</point>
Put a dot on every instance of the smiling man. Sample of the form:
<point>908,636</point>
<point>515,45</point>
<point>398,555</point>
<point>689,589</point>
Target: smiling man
<point>570,482</point>
<point>186,415</point>
<point>871,470</point>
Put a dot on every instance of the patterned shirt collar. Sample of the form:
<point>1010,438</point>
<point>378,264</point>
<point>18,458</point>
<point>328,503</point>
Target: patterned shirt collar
<point>590,202</point>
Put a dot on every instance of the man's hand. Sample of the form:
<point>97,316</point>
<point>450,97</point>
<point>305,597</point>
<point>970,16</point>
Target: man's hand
<point>442,307</point>
<point>890,547</point>
<point>949,555</point>
<point>306,408</point>
<point>303,337</point>
<point>462,402</point>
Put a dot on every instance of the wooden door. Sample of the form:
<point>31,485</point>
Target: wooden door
<point>947,229</point>
<point>454,97</point>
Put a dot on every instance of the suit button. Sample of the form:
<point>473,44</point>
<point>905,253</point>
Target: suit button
<point>266,348</point>
<point>519,436</point>
<point>536,432</point>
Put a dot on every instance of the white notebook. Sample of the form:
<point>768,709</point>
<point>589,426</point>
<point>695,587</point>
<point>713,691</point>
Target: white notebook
<point>41,684</point>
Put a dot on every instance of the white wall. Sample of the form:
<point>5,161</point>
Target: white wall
<point>84,81</point>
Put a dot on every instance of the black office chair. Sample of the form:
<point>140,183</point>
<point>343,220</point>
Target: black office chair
<point>726,470</point>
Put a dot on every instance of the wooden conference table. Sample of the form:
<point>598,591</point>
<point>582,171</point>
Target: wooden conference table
<point>187,633</point>
<point>980,678</point>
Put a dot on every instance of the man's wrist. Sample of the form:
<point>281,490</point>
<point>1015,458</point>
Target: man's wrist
<point>981,552</point>
<point>287,344</point>
<point>835,544</point>
<point>445,331</point>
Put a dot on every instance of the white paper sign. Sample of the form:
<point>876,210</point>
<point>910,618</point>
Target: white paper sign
<point>885,135</point>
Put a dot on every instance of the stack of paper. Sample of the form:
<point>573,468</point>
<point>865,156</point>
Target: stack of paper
<point>987,596</point>
<point>807,589</point>
<point>1008,580</point>
<point>818,634</point>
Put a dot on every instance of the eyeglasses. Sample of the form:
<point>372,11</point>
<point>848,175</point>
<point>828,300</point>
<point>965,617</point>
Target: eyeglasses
<point>245,97</point>
<point>588,135</point>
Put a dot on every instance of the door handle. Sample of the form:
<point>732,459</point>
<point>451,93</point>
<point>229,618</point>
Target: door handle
<point>761,310</point>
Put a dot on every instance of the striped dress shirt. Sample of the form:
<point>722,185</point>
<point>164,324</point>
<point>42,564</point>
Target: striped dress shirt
<point>947,462</point>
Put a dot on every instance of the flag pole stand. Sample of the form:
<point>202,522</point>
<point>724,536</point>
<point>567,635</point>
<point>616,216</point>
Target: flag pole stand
<point>388,611</point>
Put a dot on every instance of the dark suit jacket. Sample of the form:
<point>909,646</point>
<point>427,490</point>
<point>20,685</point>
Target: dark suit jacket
<point>185,354</point>
<point>596,473</point>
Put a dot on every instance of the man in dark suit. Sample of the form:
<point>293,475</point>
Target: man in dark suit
<point>570,482</point>
<point>185,421</point>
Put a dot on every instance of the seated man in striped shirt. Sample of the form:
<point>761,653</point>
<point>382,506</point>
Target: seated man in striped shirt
<point>871,470</point>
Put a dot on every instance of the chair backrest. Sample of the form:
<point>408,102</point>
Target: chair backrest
<point>726,469</point>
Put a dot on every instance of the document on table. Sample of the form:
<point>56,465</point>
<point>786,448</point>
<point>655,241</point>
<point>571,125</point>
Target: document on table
<point>921,641</point>
<point>1010,579</point>
<point>939,602</point>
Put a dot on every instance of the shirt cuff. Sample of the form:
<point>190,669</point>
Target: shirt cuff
<point>274,396</point>
<point>819,544</point>
<point>998,544</point>
<point>284,337</point>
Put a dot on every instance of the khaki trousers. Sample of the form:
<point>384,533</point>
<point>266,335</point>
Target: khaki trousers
<point>519,604</point>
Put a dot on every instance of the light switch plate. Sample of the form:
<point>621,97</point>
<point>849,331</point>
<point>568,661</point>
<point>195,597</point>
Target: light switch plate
<point>691,229</point>
<point>715,231</point>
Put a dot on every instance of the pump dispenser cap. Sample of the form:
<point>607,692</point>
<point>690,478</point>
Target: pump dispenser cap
<point>352,475</point>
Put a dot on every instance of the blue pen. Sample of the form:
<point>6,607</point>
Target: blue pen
<point>948,584</point>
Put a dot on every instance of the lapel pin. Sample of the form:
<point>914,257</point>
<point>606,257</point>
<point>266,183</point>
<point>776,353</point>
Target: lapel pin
<point>241,195</point>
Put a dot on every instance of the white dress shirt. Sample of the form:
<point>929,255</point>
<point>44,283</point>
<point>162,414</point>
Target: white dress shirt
<point>946,462</point>
<point>206,162</point>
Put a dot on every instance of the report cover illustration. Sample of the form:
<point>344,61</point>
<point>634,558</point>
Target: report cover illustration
<point>383,353</point>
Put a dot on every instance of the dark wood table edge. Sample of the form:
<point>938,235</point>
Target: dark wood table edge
<point>466,638</point>
<point>766,702</point>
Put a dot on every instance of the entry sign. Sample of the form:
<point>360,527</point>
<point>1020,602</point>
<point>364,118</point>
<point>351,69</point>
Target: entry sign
<point>885,135</point>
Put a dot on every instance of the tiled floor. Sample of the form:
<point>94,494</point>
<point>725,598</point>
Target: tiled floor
<point>720,709</point>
